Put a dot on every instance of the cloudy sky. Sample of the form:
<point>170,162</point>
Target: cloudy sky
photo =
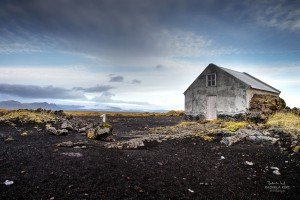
<point>135,54</point>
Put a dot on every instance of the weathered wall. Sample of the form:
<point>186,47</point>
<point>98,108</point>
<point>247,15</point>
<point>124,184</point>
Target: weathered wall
<point>230,92</point>
<point>251,92</point>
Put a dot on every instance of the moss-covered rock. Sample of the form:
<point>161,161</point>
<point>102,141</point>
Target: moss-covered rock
<point>90,133</point>
<point>99,133</point>
<point>266,104</point>
<point>296,149</point>
<point>262,106</point>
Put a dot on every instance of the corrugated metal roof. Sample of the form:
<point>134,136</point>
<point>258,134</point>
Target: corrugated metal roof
<point>251,81</point>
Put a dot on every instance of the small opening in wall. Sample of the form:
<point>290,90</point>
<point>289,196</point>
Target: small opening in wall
<point>211,80</point>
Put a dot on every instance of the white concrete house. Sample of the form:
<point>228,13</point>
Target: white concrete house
<point>221,91</point>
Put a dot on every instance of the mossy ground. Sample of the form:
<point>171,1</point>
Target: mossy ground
<point>27,116</point>
<point>204,136</point>
<point>187,123</point>
<point>172,113</point>
<point>233,126</point>
<point>288,121</point>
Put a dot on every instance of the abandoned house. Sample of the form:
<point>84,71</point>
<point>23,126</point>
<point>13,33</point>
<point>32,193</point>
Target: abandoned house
<point>220,91</point>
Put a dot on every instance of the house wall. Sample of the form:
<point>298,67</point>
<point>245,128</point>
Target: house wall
<point>230,92</point>
<point>252,91</point>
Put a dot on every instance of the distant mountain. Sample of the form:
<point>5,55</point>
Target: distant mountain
<point>13,105</point>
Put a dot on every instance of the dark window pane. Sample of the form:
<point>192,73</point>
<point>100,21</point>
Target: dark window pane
<point>211,79</point>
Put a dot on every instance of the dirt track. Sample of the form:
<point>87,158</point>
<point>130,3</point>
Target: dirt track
<point>177,169</point>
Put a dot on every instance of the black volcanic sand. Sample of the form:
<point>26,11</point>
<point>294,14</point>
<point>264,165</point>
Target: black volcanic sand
<point>176,169</point>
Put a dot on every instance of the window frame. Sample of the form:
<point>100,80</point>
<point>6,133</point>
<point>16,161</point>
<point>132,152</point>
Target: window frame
<point>211,80</point>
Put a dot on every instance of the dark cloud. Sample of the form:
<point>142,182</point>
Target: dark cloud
<point>136,81</point>
<point>33,91</point>
<point>114,78</point>
<point>96,89</point>
<point>50,92</point>
<point>117,29</point>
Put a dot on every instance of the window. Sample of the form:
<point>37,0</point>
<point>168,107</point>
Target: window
<point>211,80</point>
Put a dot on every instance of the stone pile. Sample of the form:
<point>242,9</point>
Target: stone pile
<point>250,135</point>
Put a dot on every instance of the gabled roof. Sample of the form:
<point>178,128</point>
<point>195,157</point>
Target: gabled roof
<point>247,79</point>
<point>251,80</point>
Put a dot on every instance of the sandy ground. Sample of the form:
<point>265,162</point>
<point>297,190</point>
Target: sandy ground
<point>175,169</point>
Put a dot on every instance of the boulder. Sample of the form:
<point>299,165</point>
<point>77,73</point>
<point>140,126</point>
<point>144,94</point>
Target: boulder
<point>81,130</point>
<point>90,133</point>
<point>24,133</point>
<point>261,106</point>
<point>62,132</point>
<point>99,133</point>
<point>51,129</point>
<point>9,139</point>
<point>67,125</point>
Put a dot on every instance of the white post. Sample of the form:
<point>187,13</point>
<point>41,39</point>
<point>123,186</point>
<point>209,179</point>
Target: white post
<point>103,118</point>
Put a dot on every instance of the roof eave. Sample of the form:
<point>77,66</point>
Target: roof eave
<point>277,91</point>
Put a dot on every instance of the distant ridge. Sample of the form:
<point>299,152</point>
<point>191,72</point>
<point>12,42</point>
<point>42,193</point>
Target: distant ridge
<point>13,105</point>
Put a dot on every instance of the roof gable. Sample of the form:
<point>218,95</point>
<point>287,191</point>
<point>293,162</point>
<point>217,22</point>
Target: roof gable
<point>245,78</point>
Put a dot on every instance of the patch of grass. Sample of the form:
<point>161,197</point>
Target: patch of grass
<point>233,126</point>
<point>174,113</point>
<point>186,124</point>
<point>204,136</point>
<point>83,113</point>
<point>27,116</point>
<point>288,121</point>
<point>106,125</point>
<point>3,112</point>
<point>296,149</point>
<point>171,113</point>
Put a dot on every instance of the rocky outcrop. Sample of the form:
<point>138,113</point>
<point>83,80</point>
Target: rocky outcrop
<point>250,135</point>
<point>142,139</point>
<point>261,106</point>
<point>99,133</point>
<point>62,132</point>
<point>67,125</point>
<point>266,103</point>
<point>51,129</point>
<point>70,144</point>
